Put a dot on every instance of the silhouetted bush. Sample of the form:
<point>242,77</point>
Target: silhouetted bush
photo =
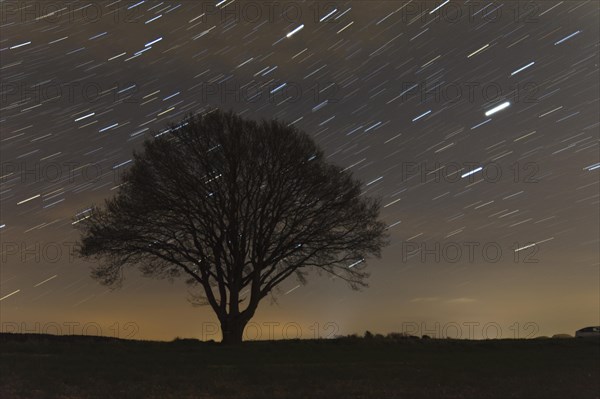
<point>179,340</point>
<point>560,336</point>
<point>400,336</point>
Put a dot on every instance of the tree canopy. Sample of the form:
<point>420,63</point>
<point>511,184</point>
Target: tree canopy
<point>236,206</point>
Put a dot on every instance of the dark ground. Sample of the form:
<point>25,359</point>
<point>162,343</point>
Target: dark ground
<point>38,366</point>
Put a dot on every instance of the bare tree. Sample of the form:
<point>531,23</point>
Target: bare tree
<point>237,207</point>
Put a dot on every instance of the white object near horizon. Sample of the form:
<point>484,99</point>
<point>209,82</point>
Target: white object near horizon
<point>588,332</point>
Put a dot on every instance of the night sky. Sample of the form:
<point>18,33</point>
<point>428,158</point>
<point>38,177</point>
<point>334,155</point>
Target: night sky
<point>475,122</point>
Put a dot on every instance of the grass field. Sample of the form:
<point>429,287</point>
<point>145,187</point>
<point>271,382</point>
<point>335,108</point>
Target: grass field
<point>35,367</point>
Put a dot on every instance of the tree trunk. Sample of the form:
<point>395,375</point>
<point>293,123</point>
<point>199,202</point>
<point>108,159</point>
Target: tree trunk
<point>233,330</point>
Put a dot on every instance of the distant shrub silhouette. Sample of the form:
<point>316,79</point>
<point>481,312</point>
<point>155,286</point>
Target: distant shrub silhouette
<point>368,335</point>
<point>178,340</point>
<point>400,336</point>
<point>561,336</point>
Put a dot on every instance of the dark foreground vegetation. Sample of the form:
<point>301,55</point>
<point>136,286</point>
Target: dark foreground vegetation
<point>42,366</point>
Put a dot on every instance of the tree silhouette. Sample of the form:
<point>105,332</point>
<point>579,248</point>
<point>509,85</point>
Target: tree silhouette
<point>237,207</point>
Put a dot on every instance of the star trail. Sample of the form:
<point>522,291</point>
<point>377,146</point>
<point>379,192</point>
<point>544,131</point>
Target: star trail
<point>475,123</point>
